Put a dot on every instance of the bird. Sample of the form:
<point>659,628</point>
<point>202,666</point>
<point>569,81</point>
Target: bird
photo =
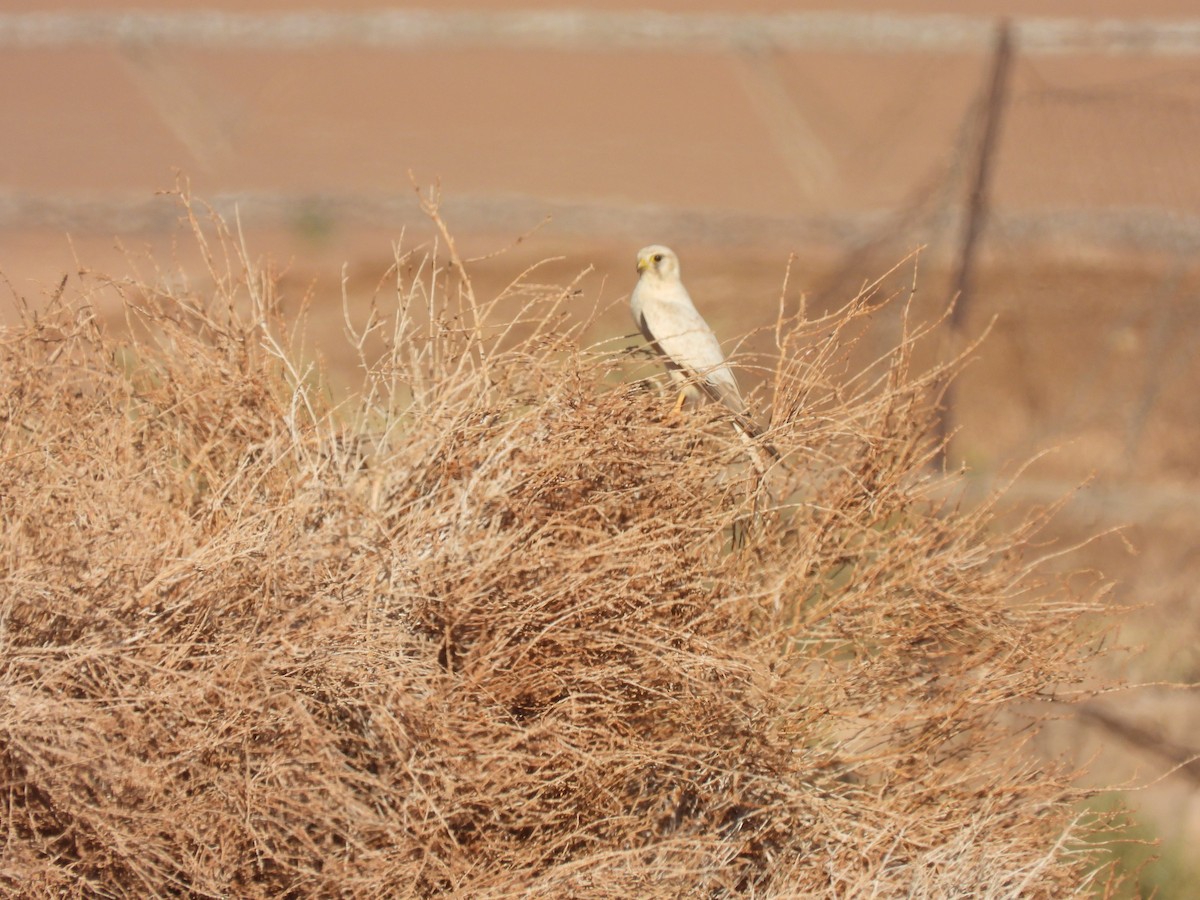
<point>673,327</point>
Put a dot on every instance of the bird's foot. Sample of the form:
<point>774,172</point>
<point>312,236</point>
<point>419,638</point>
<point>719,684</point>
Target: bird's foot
<point>676,412</point>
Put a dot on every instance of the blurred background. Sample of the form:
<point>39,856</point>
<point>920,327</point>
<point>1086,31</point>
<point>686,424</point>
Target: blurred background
<point>1045,168</point>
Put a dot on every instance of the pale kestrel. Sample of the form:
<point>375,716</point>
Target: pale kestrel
<point>665,315</point>
<point>670,323</point>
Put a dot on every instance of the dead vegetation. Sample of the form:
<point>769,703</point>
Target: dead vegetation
<point>490,627</point>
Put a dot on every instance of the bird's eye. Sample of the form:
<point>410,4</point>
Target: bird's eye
<point>658,257</point>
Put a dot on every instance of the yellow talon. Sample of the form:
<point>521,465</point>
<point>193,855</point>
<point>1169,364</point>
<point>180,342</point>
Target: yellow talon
<point>678,406</point>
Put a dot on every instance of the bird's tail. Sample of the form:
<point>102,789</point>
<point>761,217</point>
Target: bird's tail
<point>753,435</point>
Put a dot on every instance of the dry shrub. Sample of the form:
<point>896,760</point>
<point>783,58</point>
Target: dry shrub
<point>492,626</point>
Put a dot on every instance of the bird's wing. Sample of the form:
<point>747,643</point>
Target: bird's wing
<point>685,338</point>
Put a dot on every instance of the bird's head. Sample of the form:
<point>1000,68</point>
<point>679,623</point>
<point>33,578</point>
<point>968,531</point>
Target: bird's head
<point>659,260</point>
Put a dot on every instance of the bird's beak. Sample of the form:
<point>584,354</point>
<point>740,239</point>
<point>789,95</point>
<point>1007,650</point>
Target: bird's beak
<point>643,264</point>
